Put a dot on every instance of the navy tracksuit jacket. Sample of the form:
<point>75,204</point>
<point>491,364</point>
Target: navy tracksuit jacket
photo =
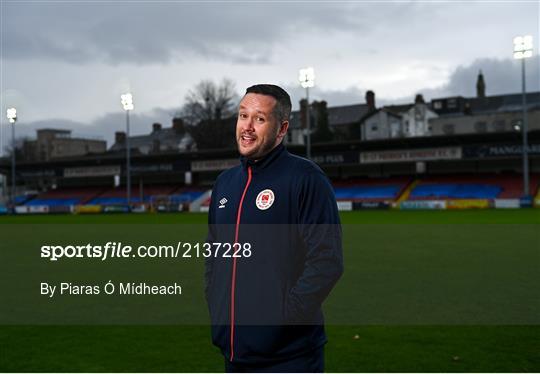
<point>267,307</point>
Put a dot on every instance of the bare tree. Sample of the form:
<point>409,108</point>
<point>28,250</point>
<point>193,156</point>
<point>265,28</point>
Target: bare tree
<point>209,113</point>
<point>209,101</point>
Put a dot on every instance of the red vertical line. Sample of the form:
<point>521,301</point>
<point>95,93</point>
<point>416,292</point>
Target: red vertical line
<point>233,280</point>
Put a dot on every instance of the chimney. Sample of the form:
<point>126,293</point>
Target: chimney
<point>156,127</point>
<point>303,109</point>
<point>419,99</point>
<point>120,137</point>
<point>178,125</point>
<point>370,100</point>
<point>480,86</point>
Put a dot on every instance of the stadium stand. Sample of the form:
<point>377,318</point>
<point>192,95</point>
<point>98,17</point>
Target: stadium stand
<point>117,196</point>
<point>358,190</point>
<point>105,196</point>
<point>367,189</point>
<point>186,195</point>
<point>173,195</point>
<point>181,199</point>
<point>477,186</point>
<point>21,199</point>
<point>65,196</point>
<point>455,191</point>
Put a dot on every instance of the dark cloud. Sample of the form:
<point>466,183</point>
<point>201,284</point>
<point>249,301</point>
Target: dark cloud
<point>502,76</point>
<point>139,33</point>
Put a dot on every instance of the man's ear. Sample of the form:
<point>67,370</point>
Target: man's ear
<point>283,129</point>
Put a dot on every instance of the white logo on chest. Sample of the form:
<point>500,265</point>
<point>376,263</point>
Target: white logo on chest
<point>222,203</point>
<point>265,199</point>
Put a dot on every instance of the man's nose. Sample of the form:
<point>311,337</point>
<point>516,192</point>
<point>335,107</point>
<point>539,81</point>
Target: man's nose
<point>247,125</point>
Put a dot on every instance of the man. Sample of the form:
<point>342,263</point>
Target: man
<point>265,303</point>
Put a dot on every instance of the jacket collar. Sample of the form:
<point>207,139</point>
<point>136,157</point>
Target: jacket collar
<point>265,161</point>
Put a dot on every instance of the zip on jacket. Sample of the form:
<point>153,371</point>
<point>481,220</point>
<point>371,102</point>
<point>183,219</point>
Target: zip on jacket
<point>233,276</point>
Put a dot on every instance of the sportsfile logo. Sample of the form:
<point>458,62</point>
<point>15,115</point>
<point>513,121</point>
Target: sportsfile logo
<point>222,203</point>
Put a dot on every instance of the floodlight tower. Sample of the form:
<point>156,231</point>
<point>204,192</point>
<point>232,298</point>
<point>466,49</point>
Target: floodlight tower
<point>307,79</point>
<point>523,47</point>
<point>127,103</point>
<point>12,118</point>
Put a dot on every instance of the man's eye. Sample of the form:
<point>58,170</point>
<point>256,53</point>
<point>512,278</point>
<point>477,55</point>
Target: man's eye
<point>260,119</point>
<point>243,115</point>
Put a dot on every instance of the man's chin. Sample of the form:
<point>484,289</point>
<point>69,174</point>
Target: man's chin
<point>254,153</point>
<point>247,152</point>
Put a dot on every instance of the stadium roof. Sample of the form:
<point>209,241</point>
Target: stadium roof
<point>337,115</point>
<point>165,139</point>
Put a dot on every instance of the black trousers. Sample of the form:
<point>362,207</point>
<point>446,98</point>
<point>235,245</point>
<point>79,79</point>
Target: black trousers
<point>311,362</point>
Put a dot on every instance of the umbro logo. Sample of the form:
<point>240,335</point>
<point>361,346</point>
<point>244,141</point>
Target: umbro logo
<point>222,203</point>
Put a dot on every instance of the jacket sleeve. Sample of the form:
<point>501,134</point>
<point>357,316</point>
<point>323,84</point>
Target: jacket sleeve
<point>320,234</point>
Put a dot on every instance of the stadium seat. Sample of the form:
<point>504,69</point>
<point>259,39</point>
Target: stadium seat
<point>371,189</point>
<point>472,186</point>
<point>456,191</point>
<point>368,192</point>
<point>53,202</point>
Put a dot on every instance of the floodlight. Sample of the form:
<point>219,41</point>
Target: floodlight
<point>307,77</point>
<point>127,101</point>
<point>12,115</point>
<point>523,47</point>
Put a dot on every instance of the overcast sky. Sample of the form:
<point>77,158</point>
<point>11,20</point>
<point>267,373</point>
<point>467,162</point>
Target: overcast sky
<point>64,64</point>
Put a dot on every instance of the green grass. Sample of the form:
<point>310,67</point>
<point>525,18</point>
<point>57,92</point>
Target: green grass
<point>470,261</point>
<point>510,216</point>
<point>188,349</point>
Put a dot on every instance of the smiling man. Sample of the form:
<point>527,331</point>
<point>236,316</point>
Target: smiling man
<point>258,131</point>
<point>265,303</point>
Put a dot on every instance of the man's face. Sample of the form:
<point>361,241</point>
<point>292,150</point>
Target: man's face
<point>257,129</point>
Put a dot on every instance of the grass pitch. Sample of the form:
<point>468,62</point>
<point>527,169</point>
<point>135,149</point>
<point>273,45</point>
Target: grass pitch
<point>396,261</point>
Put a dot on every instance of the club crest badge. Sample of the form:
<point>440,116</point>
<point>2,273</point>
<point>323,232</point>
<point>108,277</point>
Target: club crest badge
<point>265,199</point>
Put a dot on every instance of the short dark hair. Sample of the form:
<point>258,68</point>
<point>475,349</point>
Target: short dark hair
<point>282,109</point>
